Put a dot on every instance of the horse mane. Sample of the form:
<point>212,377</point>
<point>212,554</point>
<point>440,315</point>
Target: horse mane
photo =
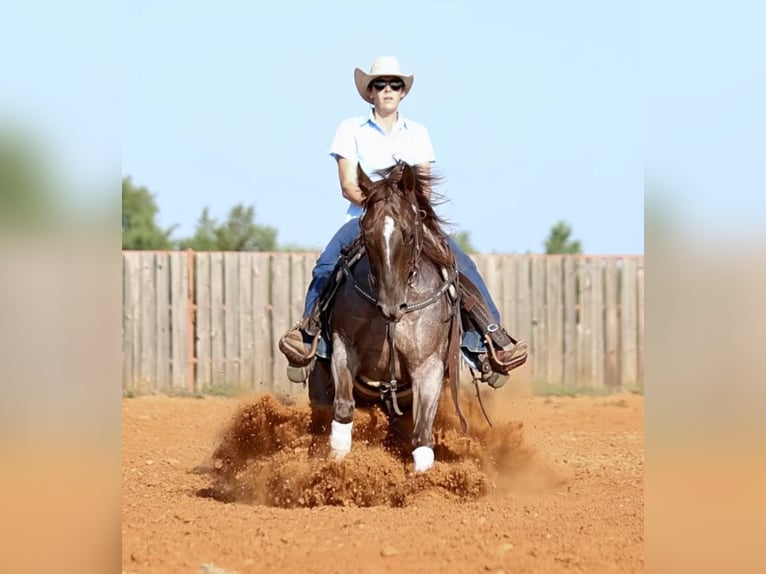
<point>435,240</point>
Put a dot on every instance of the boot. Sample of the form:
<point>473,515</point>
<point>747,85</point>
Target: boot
<point>300,350</point>
<point>504,353</point>
<point>505,359</point>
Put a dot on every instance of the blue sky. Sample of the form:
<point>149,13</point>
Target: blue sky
<point>534,110</point>
<point>538,111</point>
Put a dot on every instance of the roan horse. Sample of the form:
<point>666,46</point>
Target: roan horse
<point>395,324</point>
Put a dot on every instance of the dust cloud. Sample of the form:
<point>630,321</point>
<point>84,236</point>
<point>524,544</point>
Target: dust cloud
<point>276,454</point>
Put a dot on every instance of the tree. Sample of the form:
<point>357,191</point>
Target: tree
<point>463,239</point>
<point>139,227</point>
<point>238,233</point>
<point>204,238</point>
<point>559,241</point>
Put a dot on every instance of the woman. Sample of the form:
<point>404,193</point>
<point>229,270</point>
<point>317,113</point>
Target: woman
<point>375,142</point>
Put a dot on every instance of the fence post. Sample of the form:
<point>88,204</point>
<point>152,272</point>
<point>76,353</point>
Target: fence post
<point>192,308</point>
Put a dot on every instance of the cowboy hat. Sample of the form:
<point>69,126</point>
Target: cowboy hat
<point>385,66</point>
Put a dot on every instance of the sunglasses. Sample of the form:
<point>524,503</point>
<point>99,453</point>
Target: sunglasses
<point>395,84</point>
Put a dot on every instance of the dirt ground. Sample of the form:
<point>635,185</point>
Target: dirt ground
<point>223,485</point>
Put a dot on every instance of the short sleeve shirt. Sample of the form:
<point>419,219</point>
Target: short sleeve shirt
<point>361,140</point>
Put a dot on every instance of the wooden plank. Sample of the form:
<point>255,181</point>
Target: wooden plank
<point>538,348</point>
<point>231,317</point>
<point>297,287</point>
<point>179,320</point>
<point>162,314</point>
<point>524,301</point>
<point>204,369</point>
<point>612,325</point>
<point>599,346</point>
<point>596,317</point>
<point>640,320</point>
<point>585,327</point>
<point>554,314</point>
<point>280,319</point>
<point>148,321</point>
<point>131,308</point>
<point>263,361</point>
<point>246,329</point>
<point>309,261</point>
<point>570,321</point>
<point>492,276</point>
<point>508,302</point>
<point>217,321</point>
<point>628,323</point>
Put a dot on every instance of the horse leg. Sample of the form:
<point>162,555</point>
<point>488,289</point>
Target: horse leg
<point>321,387</point>
<point>343,403</point>
<point>426,388</point>
<point>321,391</point>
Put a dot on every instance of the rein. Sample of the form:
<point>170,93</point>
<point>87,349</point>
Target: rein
<point>448,282</point>
<point>388,390</point>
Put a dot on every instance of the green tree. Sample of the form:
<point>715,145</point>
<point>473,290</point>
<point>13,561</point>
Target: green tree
<point>139,226</point>
<point>238,233</point>
<point>204,238</point>
<point>559,241</point>
<point>463,239</point>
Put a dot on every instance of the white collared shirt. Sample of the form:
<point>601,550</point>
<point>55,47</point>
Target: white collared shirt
<point>361,140</point>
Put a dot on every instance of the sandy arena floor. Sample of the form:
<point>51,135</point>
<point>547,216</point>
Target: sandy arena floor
<point>220,485</point>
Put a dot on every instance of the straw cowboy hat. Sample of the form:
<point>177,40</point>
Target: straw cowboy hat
<point>385,66</point>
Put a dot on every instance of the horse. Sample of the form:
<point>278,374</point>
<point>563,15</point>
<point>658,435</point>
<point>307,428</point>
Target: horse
<point>395,322</point>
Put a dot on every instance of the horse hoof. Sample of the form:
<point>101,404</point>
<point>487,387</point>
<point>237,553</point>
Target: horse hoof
<point>340,439</point>
<point>338,454</point>
<point>423,457</point>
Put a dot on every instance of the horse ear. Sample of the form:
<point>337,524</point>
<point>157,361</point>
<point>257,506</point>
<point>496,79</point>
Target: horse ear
<point>364,182</point>
<point>407,181</point>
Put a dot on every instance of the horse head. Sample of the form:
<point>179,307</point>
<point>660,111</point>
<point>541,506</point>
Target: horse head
<point>391,230</point>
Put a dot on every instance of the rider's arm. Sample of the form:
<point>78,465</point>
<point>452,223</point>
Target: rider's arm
<point>349,184</point>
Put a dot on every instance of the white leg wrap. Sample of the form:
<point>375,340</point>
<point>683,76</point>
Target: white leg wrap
<point>340,439</point>
<point>423,457</point>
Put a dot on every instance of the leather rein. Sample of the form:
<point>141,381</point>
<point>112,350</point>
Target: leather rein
<point>388,390</point>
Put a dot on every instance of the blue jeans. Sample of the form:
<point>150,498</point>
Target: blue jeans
<point>472,340</point>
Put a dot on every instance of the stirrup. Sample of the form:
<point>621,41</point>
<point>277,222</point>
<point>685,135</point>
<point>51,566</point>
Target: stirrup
<point>299,357</point>
<point>496,380</point>
<point>485,374</point>
<point>300,374</point>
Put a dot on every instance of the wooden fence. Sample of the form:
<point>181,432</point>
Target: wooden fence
<point>204,321</point>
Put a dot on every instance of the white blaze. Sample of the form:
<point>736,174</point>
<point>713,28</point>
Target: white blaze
<point>388,232</point>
